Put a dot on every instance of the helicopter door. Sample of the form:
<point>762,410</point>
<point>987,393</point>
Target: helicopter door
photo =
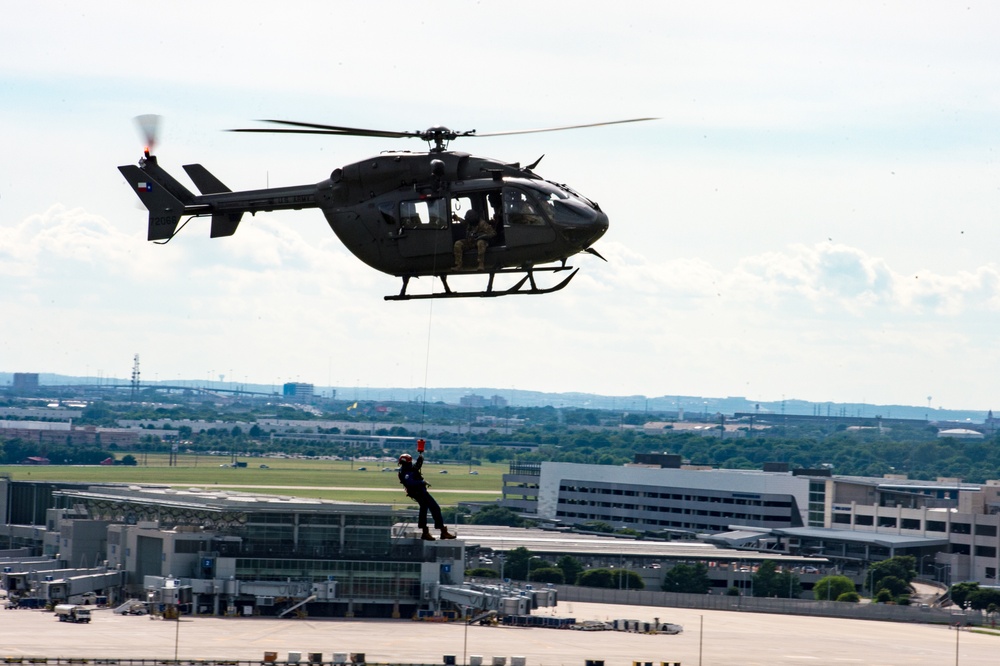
<point>489,206</point>
<point>524,224</point>
<point>424,228</point>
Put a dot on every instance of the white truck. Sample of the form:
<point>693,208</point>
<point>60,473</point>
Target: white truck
<point>72,613</point>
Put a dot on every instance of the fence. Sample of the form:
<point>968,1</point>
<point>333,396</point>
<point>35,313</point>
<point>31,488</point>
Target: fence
<point>79,661</point>
<point>855,611</point>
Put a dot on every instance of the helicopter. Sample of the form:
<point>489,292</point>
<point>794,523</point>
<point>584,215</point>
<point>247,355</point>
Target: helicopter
<point>403,213</point>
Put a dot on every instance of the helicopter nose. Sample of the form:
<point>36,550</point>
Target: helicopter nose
<point>583,231</point>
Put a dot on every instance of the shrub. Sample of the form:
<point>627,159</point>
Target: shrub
<point>482,572</point>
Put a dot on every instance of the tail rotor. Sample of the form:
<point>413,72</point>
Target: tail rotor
<point>149,127</point>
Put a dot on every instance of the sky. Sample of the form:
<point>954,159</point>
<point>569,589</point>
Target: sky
<point>813,215</point>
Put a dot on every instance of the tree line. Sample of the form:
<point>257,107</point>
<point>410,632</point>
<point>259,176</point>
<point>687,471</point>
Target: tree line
<point>583,436</point>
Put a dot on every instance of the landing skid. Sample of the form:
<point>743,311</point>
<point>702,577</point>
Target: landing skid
<point>526,285</point>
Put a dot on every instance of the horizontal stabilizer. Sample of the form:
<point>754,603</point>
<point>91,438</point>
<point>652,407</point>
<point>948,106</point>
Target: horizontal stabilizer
<point>205,181</point>
<point>224,224</point>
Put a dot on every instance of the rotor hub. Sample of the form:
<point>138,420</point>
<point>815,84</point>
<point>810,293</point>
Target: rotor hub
<point>440,136</point>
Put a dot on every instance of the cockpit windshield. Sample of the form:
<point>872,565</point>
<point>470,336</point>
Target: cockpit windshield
<point>556,201</point>
<point>548,191</point>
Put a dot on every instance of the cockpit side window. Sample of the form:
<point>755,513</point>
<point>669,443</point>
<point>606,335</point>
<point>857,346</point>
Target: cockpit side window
<point>519,208</point>
<point>424,214</point>
<point>388,211</point>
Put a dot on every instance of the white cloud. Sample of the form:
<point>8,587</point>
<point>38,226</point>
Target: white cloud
<point>271,302</point>
<point>823,280</point>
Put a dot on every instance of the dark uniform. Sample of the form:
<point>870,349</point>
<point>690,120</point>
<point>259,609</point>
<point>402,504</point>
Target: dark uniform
<point>478,233</point>
<point>416,489</point>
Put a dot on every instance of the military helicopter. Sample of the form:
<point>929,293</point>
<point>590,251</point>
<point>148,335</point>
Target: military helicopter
<point>403,213</point>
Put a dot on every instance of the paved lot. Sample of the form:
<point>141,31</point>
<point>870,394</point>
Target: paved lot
<point>727,639</point>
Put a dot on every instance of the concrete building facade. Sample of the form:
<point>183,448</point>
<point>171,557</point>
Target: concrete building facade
<point>656,499</point>
<point>951,528</point>
<point>231,552</point>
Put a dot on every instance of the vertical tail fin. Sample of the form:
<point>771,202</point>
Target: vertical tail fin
<point>205,180</point>
<point>165,209</point>
<point>223,224</point>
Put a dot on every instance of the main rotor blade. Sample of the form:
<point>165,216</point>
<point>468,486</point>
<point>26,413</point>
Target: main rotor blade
<point>435,134</point>
<point>559,129</point>
<point>262,130</point>
<point>316,128</point>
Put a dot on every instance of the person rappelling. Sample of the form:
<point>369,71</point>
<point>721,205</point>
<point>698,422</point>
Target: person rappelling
<point>416,489</point>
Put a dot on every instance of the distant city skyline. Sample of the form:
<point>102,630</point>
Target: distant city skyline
<point>692,405</point>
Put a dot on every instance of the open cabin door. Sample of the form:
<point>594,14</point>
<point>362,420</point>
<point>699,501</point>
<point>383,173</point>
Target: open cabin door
<point>424,228</point>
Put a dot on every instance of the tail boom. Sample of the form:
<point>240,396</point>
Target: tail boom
<point>168,200</point>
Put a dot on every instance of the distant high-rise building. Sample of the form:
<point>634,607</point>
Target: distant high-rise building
<point>298,391</point>
<point>478,401</point>
<point>474,401</point>
<point>25,382</point>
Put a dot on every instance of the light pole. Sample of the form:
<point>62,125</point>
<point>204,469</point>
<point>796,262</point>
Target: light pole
<point>177,631</point>
<point>943,571</point>
<point>465,644</point>
<point>701,636</point>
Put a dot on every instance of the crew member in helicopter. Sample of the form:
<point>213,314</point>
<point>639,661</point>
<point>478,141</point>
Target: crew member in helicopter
<point>416,489</point>
<point>478,232</point>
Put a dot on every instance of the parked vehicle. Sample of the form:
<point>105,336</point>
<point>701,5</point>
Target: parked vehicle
<point>72,613</point>
<point>25,602</point>
<point>132,607</point>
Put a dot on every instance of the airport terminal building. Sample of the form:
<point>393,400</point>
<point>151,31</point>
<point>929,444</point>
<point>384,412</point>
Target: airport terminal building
<point>679,501</point>
<point>226,552</point>
<point>951,528</point>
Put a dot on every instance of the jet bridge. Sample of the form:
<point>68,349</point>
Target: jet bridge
<point>501,599</point>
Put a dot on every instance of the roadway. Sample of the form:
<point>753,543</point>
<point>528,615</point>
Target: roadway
<point>393,489</point>
<point>727,639</point>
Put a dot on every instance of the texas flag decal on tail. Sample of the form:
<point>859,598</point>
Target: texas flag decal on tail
<point>144,187</point>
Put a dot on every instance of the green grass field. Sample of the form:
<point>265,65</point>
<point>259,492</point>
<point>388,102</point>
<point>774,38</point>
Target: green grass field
<point>324,479</point>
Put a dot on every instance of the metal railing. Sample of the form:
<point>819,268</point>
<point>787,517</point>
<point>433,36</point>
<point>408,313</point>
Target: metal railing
<point>857,611</point>
<point>90,661</point>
